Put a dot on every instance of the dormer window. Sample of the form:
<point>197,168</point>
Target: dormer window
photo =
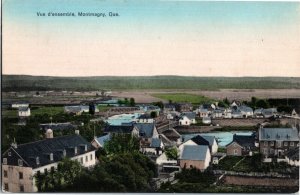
<point>9,153</point>
<point>5,161</point>
<point>266,143</point>
<point>20,162</point>
<point>51,156</point>
<point>85,147</point>
<point>64,153</point>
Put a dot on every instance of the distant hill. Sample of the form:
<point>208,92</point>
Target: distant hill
<point>35,83</point>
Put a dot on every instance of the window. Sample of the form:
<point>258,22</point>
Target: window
<point>235,152</point>
<point>266,143</point>
<point>9,153</point>
<point>5,161</point>
<point>86,158</point>
<point>6,186</point>
<point>272,143</point>
<point>91,157</point>
<point>21,188</point>
<point>51,156</point>
<point>292,144</point>
<point>5,173</point>
<point>279,144</point>
<point>20,162</point>
<point>285,143</point>
<point>20,175</point>
<point>265,151</point>
<point>298,144</point>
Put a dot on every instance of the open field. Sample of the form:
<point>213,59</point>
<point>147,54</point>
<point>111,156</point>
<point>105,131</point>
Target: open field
<point>43,83</point>
<point>34,111</point>
<point>149,96</point>
<point>183,97</point>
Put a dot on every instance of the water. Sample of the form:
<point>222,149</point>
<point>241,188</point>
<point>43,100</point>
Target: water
<point>122,118</point>
<point>223,138</point>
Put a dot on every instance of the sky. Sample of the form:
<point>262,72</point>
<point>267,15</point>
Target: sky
<point>188,38</point>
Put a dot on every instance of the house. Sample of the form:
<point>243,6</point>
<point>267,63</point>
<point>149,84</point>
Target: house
<point>145,118</point>
<point>227,113</point>
<point>147,132</point>
<point>235,104</point>
<point>241,145</point>
<point>246,111</point>
<point>172,115</point>
<point>209,141</point>
<point>236,114</point>
<point>206,120</point>
<point>187,118</point>
<point>150,108</point>
<point>275,142</point>
<point>258,113</point>
<point>169,108</point>
<point>218,113</point>
<point>24,112</point>
<point>19,104</point>
<point>292,157</point>
<point>294,113</point>
<point>21,162</point>
<point>270,112</point>
<point>98,142</point>
<point>183,107</point>
<point>123,128</point>
<point>195,156</point>
<point>155,147</point>
<point>203,112</point>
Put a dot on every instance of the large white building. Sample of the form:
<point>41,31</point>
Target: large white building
<point>21,162</point>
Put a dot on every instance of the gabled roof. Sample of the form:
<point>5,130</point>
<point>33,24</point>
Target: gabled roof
<point>23,109</point>
<point>155,143</point>
<point>190,115</point>
<point>199,140</point>
<point>119,128</point>
<point>244,140</point>
<point>43,148</point>
<point>145,129</point>
<point>101,140</point>
<point>245,108</point>
<point>283,134</point>
<point>191,152</point>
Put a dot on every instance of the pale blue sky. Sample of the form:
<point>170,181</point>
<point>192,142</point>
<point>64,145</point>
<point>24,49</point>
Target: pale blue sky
<point>154,34</point>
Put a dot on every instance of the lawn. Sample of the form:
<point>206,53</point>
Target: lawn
<point>10,113</point>
<point>103,108</point>
<point>46,110</point>
<point>183,97</point>
<point>227,163</point>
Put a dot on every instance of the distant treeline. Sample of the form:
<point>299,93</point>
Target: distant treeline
<point>41,83</point>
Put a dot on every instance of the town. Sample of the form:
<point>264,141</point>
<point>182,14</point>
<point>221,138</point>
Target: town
<point>113,144</point>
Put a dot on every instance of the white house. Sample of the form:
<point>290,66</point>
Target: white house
<point>195,156</point>
<point>24,112</point>
<point>21,162</point>
<point>246,111</point>
<point>187,118</point>
<point>209,141</point>
<point>206,120</point>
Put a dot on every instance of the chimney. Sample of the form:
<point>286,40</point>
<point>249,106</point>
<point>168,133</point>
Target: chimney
<point>14,144</point>
<point>37,160</point>
<point>77,132</point>
<point>49,134</point>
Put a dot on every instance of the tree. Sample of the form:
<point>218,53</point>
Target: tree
<point>121,143</point>
<point>226,101</point>
<point>262,104</point>
<point>126,102</point>
<point>132,102</point>
<point>153,114</point>
<point>159,104</point>
<point>92,108</point>
<point>172,153</point>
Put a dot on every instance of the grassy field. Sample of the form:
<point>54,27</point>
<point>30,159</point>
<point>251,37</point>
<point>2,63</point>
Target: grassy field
<point>34,111</point>
<point>40,83</point>
<point>183,97</point>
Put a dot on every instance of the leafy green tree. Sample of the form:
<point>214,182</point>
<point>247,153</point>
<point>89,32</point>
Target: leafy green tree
<point>226,101</point>
<point>261,103</point>
<point>121,143</point>
<point>172,153</point>
<point>153,114</point>
<point>132,102</point>
<point>160,104</point>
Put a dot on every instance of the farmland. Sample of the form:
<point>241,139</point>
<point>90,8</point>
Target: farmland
<point>183,97</point>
